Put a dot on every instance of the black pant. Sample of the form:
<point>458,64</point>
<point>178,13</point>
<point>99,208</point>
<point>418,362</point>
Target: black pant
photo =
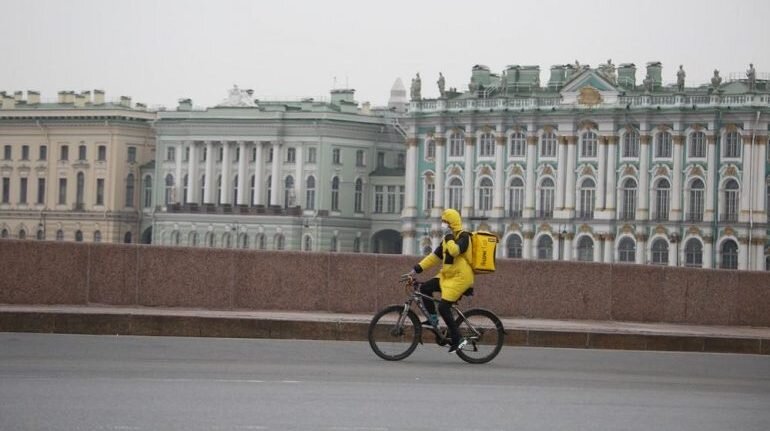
<point>444,308</point>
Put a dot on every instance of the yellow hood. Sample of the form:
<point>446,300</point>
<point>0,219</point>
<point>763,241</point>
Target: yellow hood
<point>453,219</point>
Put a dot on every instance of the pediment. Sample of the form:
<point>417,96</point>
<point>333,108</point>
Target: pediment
<point>589,88</point>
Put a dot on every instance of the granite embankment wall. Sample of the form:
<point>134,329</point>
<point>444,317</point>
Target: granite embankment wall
<point>43,272</point>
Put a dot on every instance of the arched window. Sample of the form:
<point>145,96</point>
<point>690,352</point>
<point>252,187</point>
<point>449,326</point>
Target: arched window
<point>455,193</point>
<point>730,213</point>
<point>288,192</point>
<point>545,248</point>
<point>627,250</point>
<point>148,191</point>
<point>693,253</point>
<point>487,145</point>
<point>333,244</point>
<point>226,240</point>
<point>192,239</point>
<point>97,236</point>
<point>732,144</point>
<point>518,145</point>
<point>514,247</point>
<point>628,205</point>
<point>41,234</point>
<point>430,149</point>
<point>546,198</point>
<point>358,197</point>
<point>548,145</point>
<point>4,234</point>
<point>127,238</point>
<point>210,239</point>
<point>585,249</point>
<point>662,193</point>
<point>516,198</point>
<point>78,236</point>
<point>243,240</point>
<point>130,191</point>
<point>589,141</point>
<point>631,144</point>
<point>660,252</point>
<point>456,144</point>
<point>357,245</point>
<point>696,199</point>
<point>308,243</point>
<point>279,242</point>
<point>485,194</point>
<point>430,192</point>
<point>335,194</point>
<point>587,199</point>
<point>59,235</point>
<point>80,191</point>
<point>697,145</point>
<point>729,255</point>
<point>175,237</point>
<point>169,189</point>
<point>663,145</point>
<point>310,193</point>
<point>261,242</point>
<point>22,234</point>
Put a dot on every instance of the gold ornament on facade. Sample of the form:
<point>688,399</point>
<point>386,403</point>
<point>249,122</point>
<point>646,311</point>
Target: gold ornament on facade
<point>629,171</point>
<point>514,227</point>
<point>696,171</point>
<point>545,227</point>
<point>693,231</point>
<point>547,170</point>
<point>485,170</point>
<point>731,171</point>
<point>516,170</point>
<point>548,129</point>
<point>455,170</point>
<point>589,96</point>
<point>587,125</point>
<point>627,228</point>
<point>731,128</point>
<point>659,229</point>
<point>587,170</point>
<point>584,228</point>
<point>487,128</point>
<point>729,231</point>
<point>661,171</point>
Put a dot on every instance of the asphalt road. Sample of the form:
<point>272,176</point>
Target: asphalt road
<point>73,382</point>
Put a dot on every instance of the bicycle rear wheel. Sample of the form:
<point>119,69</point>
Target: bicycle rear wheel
<point>392,335</point>
<point>485,335</point>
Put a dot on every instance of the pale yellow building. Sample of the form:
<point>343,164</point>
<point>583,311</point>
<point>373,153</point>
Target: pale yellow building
<point>69,167</point>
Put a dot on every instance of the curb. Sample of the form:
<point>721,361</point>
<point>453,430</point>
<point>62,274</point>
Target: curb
<point>189,325</point>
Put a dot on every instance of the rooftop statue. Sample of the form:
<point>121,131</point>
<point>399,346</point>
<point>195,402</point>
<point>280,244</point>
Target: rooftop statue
<point>680,78</point>
<point>416,88</point>
<point>504,83</point>
<point>752,75</point>
<point>608,70</point>
<point>440,83</point>
<point>647,82</point>
<point>238,98</point>
<point>716,80</point>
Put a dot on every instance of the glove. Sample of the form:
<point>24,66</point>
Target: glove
<point>449,237</point>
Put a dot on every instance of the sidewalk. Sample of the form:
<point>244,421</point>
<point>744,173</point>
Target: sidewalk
<point>327,326</point>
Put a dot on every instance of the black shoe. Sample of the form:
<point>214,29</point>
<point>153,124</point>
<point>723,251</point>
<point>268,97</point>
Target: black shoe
<point>454,348</point>
<point>427,323</point>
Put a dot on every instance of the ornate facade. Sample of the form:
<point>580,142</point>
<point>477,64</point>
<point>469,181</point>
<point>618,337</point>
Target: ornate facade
<point>70,167</point>
<point>593,167</point>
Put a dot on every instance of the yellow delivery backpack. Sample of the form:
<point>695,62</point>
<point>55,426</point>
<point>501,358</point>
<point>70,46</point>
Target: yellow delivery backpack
<point>483,247</point>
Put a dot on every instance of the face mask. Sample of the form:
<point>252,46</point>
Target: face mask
<point>444,226</point>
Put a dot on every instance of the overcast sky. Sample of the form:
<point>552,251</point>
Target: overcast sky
<point>159,51</point>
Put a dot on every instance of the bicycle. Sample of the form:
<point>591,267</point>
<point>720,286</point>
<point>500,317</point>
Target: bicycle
<point>396,329</point>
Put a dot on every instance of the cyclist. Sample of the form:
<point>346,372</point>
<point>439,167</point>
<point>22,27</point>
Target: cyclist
<point>455,276</point>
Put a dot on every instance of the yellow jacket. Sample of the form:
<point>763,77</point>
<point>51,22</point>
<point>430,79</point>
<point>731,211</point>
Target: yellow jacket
<point>456,274</point>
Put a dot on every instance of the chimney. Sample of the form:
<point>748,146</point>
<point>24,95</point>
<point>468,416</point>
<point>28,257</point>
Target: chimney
<point>18,96</point>
<point>9,102</point>
<point>125,101</point>
<point>87,95</point>
<point>33,97</point>
<point>141,106</point>
<point>342,95</point>
<point>655,72</point>
<point>557,79</point>
<point>69,97</point>
<point>62,97</point>
<point>80,101</point>
<point>98,97</point>
<point>184,105</point>
<point>627,75</point>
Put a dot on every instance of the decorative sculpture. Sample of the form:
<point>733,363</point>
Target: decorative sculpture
<point>416,88</point>
<point>752,75</point>
<point>440,83</point>
<point>716,80</point>
<point>680,78</point>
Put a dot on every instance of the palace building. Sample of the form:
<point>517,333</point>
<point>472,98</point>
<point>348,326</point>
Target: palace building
<point>595,166</point>
<point>70,166</point>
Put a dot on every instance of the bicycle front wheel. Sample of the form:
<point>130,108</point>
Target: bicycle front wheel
<point>484,334</point>
<point>393,334</point>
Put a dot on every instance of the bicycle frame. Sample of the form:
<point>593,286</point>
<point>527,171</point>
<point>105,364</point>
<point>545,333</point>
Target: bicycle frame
<point>416,296</point>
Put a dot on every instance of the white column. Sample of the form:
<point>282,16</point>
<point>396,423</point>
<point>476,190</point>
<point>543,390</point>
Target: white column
<point>643,209</point>
<point>299,178</point>
<point>600,186</point>
<point>711,172</point>
<point>676,186</point>
<point>748,178</point>
<point>227,166</point>
<point>641,249</point>
<point>498,200</point>
<point>275,192</point>
<point>598,247</point>
<point>207,186</point>
<point>760,155</point>
<point>759,251</point>
<point>526,246</point>
<point>242,194</point>
<point>179,148</point>
<point>561,178</point>
<point>556,246</point>
<point>259,176</point>
<point>411,178</point>
<point>469,174</point>
<point>672,253</point>
<point>609,249</point>
<point>611,191</point>
<point>570,172</point>
<point>529,208</point>
<point>707,252</point>
<point>192,173</point>
<point>438,196</point>
<point>743,253</point>
<point>568,246</point>
<point>407,243</point>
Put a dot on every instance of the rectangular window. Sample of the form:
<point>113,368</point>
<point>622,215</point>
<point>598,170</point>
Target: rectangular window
<point>379,196</point>
<point>311,155</point>
<point>7,152</point>
<point>6,190</point>
<point>62,191</point>
<point>380,159</point>
<point>25,152</point>
<point>22,190</point>
<point>336,156</point>
<point>518,145</point>
<point>430,195</point>
<point>360,158</point>
<point>41,190</point>
<point>170,154</point>
<point>697,145</point>
<point>516,198</point>
<point>391,202</point>
<point>733,145</point>
<point>131,155</point>
<point>101,153</point>
<point>43,153</point>
<point>100,191</point>
<point>82,152</point>
<point>64,153</point>
<point>291,155</point>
